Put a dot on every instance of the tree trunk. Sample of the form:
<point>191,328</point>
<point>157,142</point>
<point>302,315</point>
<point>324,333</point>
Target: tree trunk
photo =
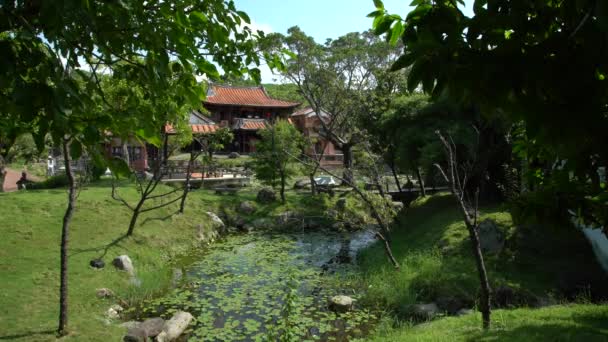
<point>282,187</point>
<point>67,218</point>
<point>392,166</point>
<point>313,185</point>
<point>484,300</point>
<point>420,182</point>
<point>347,163</point>
<point>2,176</point>
<point>182,203</point>
<point>135,215</point>
<point>125,153</point>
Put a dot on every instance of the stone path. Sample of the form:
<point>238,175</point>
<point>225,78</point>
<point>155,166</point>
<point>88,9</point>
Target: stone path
<point>11,178</point>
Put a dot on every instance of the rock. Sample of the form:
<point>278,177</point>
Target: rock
<point>261,223</point>
<point>288,218</point>
<point>491,237</point>
<point>463,312</point>
<point>312,223</point>
<point>266,195</point>
<point>174,327</point>
<point>97,263</point>
<point>233,155</point>
<point>398,205</point>
<point>135,334</point>
<point>247,207</point>
<point>216,222</point>
<point>452,305</point>
<point>504,296</point>
<point>340,303</point>
<point>152,326</point>
<point>123,262</point>
<point>331,214</point>
<point>302,184</point>
<point>422,312</point>
<point>338,226</point>
<point>247,228</point>
<point>130,324</point>
<point>114,311</point>
<point>104,293</point>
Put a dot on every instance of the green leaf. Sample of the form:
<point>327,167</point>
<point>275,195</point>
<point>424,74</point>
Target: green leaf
<point>199,16</point>
<point>75,149</point>
<point>396,32</point>
<point>244,16</point>
<point>119,167</point>
<point>403,61</point>
<point>383,25</point>
<point>415,76</point>
<point>378,4</point>
<point>375,13</point>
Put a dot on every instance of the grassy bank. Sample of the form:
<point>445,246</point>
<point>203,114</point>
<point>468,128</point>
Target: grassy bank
<point>29,256</point>
<point>431,243</point>
<point>580,322</point>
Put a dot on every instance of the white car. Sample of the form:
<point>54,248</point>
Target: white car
<point>326,181</point>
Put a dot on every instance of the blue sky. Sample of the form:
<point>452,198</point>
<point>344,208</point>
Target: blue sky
<point>320,19</point>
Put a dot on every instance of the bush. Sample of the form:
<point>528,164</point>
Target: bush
<point>53,182</point>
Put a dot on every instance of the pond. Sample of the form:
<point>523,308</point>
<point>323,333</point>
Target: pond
<point>248,287</point>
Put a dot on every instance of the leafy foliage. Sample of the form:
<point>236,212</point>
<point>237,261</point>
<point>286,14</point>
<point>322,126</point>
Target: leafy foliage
<point>542,62</point>
<point>276,153</point>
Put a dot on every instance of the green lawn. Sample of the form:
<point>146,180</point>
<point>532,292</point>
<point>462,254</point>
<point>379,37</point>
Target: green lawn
<point>578,322</point>
<point>29,256</point>
<point>431,243</point>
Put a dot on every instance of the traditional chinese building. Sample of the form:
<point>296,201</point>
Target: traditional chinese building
<point>245,110</point>
<point>323,150</point>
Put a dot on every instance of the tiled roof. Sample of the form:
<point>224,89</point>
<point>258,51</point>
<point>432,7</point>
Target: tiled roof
<point>196,129</point>
<point>250,124</point>
<point>309,112</point>
<point>244,96</point>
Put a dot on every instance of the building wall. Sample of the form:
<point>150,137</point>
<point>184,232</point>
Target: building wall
<point>138,153</point>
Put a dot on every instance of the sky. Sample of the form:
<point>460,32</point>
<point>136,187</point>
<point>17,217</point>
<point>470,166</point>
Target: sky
<point>320,19</point>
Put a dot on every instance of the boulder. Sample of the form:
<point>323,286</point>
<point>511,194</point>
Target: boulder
<point>174,327</point>
<point>340,303</point>
<point>104,293</point>
<point>302,184</point>
<point>422,312</point>
<point>135,334</point>
<point>266,195</point>
<point>261,223</point>
<point>216,222</point>
<point>398,205</point>
<point>491,237</point>
<point>313,223</point>
<point>452,305</point>
<point>247,207</point>
<point>123,263</point>
<point>97,263</point>
<point>288,218</point>
<point>233,155</point>
<point>114,311</point>
<point>463,312</point>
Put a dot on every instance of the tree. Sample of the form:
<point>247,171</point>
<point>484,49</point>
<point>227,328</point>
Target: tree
<point>274,156</point>
<point>456,177</point>
<point>333,78</point>
<point>204,143</point>
<point>53,54</point>
<point>542,62</point>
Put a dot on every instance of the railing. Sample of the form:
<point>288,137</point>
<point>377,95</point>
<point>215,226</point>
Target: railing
<point>330,158</point>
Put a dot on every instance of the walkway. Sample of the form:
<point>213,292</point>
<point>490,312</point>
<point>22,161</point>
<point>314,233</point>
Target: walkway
<point>11,178</point>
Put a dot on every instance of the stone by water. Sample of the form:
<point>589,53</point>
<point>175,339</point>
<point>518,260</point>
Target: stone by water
<point>236,288</point>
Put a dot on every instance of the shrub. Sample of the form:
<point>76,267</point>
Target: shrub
<point>53,182</point>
